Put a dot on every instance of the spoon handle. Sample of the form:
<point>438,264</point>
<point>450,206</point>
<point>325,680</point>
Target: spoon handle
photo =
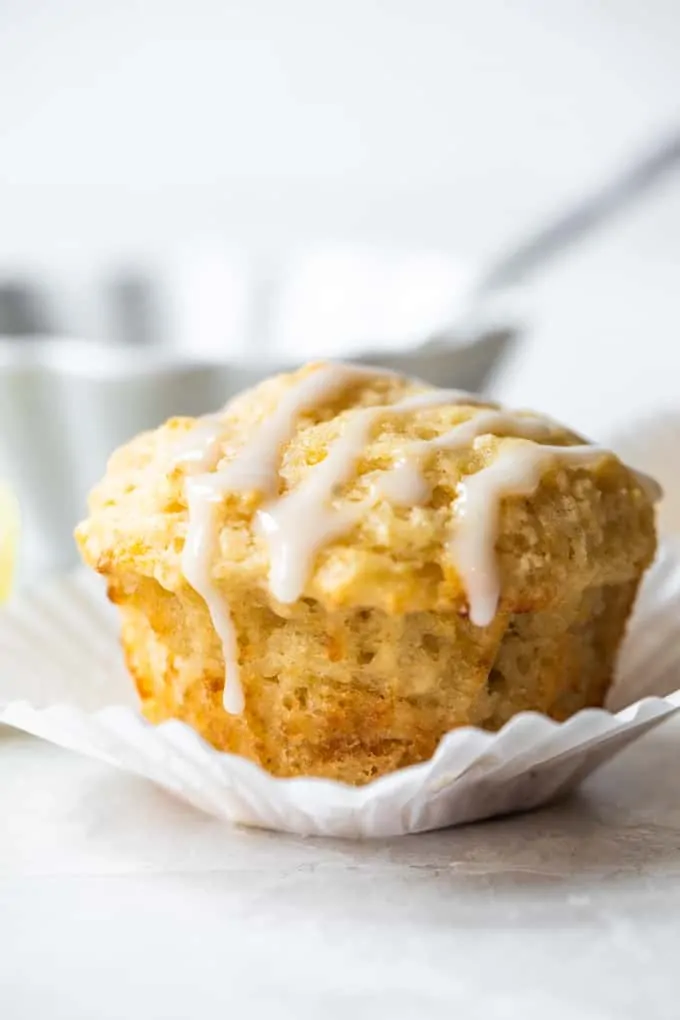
<point>589,212</point>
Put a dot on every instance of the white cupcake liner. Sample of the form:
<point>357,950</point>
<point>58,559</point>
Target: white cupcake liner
<point>62,678</point>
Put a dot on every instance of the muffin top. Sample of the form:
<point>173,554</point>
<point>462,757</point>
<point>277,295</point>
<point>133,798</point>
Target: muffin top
<point>359,487</point>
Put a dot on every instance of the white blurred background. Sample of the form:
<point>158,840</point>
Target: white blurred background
<point>130,130</point>
<point>429,122</point>
<point>139,141</point>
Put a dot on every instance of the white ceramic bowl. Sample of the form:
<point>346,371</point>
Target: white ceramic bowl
<point>66,404</point>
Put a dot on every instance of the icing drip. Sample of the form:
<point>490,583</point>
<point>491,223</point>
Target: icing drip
<point>516,471</point>
<point>197,558</point>
<point>300,523</point>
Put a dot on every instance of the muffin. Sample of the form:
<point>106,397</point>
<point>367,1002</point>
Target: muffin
<point>344,564</point>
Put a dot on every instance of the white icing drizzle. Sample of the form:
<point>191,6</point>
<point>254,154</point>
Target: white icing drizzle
<point>300,523</point>
<point>197,558</point>
<point>297,525</point>
<point>405,484</point>
<point>516,471</point>
<point>199,448</point>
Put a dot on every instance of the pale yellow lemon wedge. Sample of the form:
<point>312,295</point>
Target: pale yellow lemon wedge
<point>9,539</point>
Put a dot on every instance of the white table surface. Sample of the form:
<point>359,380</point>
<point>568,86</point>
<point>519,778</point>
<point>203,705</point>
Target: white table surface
<point>118,902</point>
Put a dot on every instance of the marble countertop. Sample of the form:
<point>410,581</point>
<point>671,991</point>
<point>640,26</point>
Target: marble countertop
<point>115,901</point>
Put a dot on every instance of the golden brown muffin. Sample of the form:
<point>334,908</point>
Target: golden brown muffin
<point>378,574</point>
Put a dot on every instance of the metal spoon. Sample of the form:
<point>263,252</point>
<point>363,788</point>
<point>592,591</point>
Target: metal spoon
<point>535,250</point>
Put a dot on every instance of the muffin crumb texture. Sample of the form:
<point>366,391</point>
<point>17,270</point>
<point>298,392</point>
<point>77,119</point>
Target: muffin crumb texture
<point>344,564</point>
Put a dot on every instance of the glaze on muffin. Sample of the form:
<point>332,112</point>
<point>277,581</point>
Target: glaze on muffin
<point>345,564</point>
